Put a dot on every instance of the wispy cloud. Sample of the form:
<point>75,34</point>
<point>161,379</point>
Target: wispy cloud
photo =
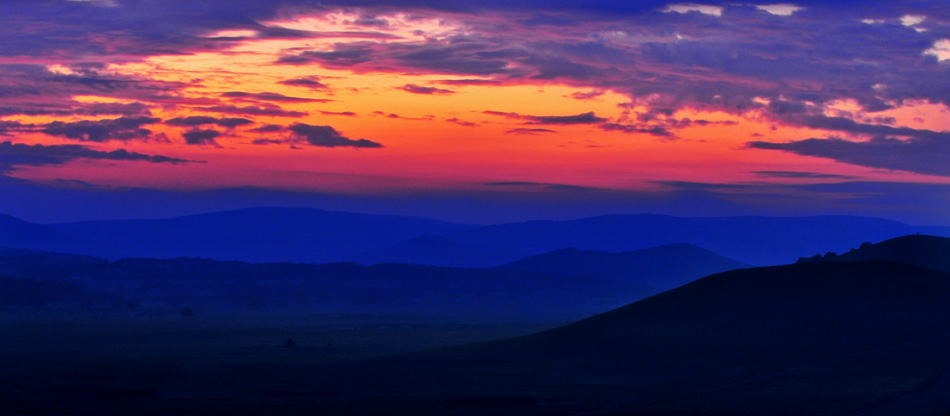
<point>13,155</point>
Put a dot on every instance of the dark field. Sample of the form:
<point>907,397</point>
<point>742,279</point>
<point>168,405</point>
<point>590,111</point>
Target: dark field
<point>238,364</point>
<point>90,364</point>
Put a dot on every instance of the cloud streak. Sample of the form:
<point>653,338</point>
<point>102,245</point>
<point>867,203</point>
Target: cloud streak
<point>124,128</point>
<point>541,185</point>
<point>418,89</point>
<point>584,118</point>
<point>921,155</point>
<point>14,155</point>
<point>326,136</point>
<point>195,121</point>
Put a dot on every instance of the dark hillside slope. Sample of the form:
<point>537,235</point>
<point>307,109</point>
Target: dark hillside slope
<point>762,315</point>
<point>821,338</point>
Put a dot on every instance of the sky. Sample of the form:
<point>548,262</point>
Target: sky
<point>476,112</point>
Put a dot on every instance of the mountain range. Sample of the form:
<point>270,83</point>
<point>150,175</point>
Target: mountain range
<point>317,236</point>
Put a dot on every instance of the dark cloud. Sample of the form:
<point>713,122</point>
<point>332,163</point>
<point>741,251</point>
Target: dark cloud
<point>655,130</point>
<point>927,155</point>
<point>585,118</point>
<point>799,175</point>
<point>125,109</point>
<point>587,95</point>
<point>35,90</point>
<point>371,21</point>
<point>262,110</point>
<point>195,121</point>
<point>13,155</point>
<point>457,55</point>
<point>201,137</point>
<point>418,89</point>
<point>504,114</point>
<point>326,136</point>
<point>564,68</point>
<point>261,142</point>
<point>338,113</point>
<point>851,126</point>
<point>124,128</point>
<point>399,117</point>
<point>690,186</point>
<point>469,82</point>
<point>14,126</point>
<point>455,120</point>
<point>551,186</point>
<point>270,96</point>
<point>75,108</point>
<point>307,82</point>
<point>268,128</point>
<point>523,130</point>
<point>342,55</point>
<point>171,100</point>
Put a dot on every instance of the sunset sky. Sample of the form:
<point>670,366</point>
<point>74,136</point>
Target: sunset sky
<point>475,111</point>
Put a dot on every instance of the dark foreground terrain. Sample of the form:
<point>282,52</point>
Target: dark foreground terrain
<point>815,338</point>
<point>234,363</point>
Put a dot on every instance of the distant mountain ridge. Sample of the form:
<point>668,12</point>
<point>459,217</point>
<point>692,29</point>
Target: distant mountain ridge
<point>439,250</point>
<point>662,267</point>
<point>752,240</point>
<point>317,236</point>
<point>253,234</point>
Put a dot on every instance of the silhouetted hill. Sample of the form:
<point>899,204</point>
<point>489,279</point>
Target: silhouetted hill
<point>752,240</point>
<point>823,338</point>
<point>920,250</point>
<point>437,250</point>
<point>663,267</point>
<point>828,305</point>
<point>255,234</point>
